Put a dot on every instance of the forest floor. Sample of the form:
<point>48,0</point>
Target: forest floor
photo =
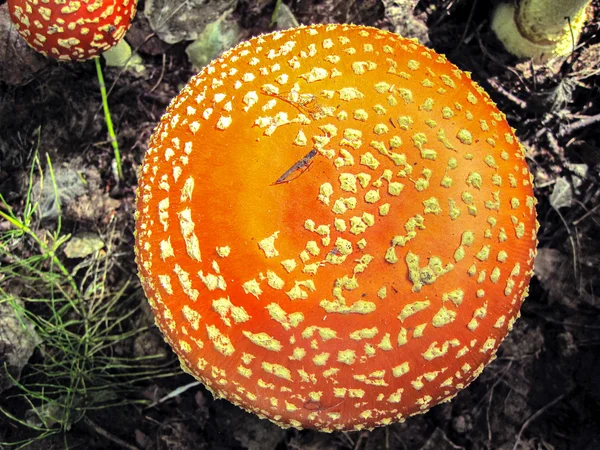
<point>91,371</point>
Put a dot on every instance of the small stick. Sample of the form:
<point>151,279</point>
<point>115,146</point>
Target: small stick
<point>513,98</point>
<point>469,20</point>
<point>582,123</point>
<point>109,124</point>
<point>535,416</point>
<point>111,437</point>
<point>180,390</point>
<point>162,73</point>
<point>586,215</point>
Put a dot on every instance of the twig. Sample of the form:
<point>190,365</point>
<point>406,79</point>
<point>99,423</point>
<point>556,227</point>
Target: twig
<point>347,436</point>
<point>571,240</point>
<point>575,126</point>
<point>494,59</point>
<point>447,9</point>
<point>564,322</point>
<point>502,375</point>
<point>387,438</point>
<point>513,98</point>
<point>180,390</point>
<point>469,20</point>
<point>109,124</point>
<point>586,215</point>
<point>398,438</point>
<point>572,55</point>
<point>111,437</point>
<point>556,149</point>
<point>535,416</point>
<point>124,67</point>
<point>487,416</point>
<point>162,73</point>
<point>363,435</point>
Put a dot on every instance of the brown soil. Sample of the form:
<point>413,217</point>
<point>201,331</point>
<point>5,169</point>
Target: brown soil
<point>543,390</point>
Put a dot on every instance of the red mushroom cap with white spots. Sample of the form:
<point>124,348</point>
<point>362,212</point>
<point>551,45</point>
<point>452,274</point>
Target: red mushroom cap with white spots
<point>336,227</point>
<point>72,29</point>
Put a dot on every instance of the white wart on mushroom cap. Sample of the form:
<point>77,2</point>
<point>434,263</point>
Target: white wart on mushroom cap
<point>335,228</point>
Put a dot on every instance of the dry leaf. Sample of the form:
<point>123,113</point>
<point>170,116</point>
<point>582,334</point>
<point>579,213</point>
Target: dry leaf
<point>18,340</point>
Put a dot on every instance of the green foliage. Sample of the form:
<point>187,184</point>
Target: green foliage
<point>217,37</point>
<point>80,320</point>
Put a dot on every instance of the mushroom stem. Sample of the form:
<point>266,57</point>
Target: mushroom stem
<point>107,117</point>
<point>540,29</point>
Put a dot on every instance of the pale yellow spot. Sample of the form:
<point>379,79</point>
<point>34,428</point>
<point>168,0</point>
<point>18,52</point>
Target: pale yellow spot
<point>346,357</point>
<point>400,370</point>
<point>464,136</point>
<point>252,287</point>
<point>365,333</point>
<point>187,226</point>
<point>413,308</point>
<point>263,340</point>
<point>220,342</point>
<point>443,317</point>
<point>289,264</point>
<point>267,245</point>
<point>277,370</point>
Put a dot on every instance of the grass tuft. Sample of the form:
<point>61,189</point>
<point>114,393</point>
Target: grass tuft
<point>82,322</point>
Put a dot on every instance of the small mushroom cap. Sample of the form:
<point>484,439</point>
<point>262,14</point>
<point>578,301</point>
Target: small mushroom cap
<point>72,30</point>
<point>336,227</point>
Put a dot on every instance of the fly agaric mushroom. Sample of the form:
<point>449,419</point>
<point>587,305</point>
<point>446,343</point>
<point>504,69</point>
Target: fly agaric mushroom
<point>73,30</point>
<point>335,227</point>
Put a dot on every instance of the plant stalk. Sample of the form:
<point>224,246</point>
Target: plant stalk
<point>109,123</point>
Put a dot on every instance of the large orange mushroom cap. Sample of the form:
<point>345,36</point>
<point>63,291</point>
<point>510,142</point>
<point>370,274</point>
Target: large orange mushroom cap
<point>336,227</point>
<point>73,29</point>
